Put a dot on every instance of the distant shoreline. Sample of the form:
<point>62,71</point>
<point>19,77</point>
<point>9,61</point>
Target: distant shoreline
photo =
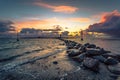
<point>58,38</point>
<point>40,38</point>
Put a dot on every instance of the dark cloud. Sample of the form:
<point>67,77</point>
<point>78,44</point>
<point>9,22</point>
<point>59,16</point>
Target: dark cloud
<point>65,33</point>
<point>6,26</point>
<point>56,28</point>
<point>110,24</point>
<point>29,30</point>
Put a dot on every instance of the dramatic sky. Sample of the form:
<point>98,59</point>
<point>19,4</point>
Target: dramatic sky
<point>72,15</point>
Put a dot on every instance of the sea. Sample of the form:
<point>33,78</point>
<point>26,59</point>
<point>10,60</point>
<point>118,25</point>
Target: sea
<point>111,44</point>
<point>14,53</point>
<point>28,49</point>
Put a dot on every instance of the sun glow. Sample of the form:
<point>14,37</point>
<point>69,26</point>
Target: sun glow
<point>72,24</point>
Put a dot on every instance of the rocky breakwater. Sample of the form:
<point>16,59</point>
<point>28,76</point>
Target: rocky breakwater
<point>91,57</point>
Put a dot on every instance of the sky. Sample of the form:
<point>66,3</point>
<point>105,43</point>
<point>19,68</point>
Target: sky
<point>71,15</point>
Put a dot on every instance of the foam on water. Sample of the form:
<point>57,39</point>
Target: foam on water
<point>12,65</point>
<point>28,51</point>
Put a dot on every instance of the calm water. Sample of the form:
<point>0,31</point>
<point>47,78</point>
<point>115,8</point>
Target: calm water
<point>14,53</point>
<point>108,44</point>
<point>26,49</point>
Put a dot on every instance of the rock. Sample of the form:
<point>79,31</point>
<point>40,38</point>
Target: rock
<point>108,55</point>
<point>113,76</point>
<point>91,46</point>
<point>118,78</point>
<point>111,61</point>
<point>91,63</point>
<point>54,56</point>
<point>87,44</point>
<point>114,69</point>
<point>98,48</point>
<point>73,52</point>
<point>117,57</point>
<point>79,58</point>
<point>9,77</point>
<point>82,49</point>
<point>93,52</point>
<point>69,47</point>
<point>104,51</point>
<point>113,55</point>
<point>55,62</point>
<point>70,44</point>
<point>77,46</point>
<point>100,58</point>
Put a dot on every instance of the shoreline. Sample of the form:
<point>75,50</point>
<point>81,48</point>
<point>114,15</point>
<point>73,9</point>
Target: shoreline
<point>65,66</point>
<point>94,58</point>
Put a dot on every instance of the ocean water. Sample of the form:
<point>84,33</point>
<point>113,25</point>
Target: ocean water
<point>14,53</point>
<point>27,50</point>
<point>110,44</point>
<point>32,59</point>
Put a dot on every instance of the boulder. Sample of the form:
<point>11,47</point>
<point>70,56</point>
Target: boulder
<point>113,55</point>
<point>108,55</point>
<point>69,47</point>
<point>93,52</point>
<point>91,46</point>
<point>55,62</point>
<point>111,61</point>
<point>114,76</point>
<point>117,57</point>
<point>86,44</point>
<point>91,64</point>
<point>104,51</point>
<point>77,46</point>
<point>100,58</point>
<point>114,69</point>
<point>73,52</point>
<point>82,49</point>
<point>98,47</point>
<point>79,58</point>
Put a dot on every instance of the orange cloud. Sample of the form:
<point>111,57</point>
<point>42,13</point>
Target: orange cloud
<point>65,9</point>
<point>101,17</point>
<point>105,15</point>
<point>109,24</point>
<point>48,23</point>
<point>61,8</point>
<point>81,20</point>
<point>31,24</point>
<point>38,24</point>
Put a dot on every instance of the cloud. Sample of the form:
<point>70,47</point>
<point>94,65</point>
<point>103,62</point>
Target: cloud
<point>6,26</point>
<point>65,33</point>
<point>66,23</point>
<point>109,24</point>
<point>61,8</point>
<point>29,31</point>
<point>40,24</point>
<point>81,20</point>
<point>32,32</point>
<point>56,28</point>
<point>65,9</point>
<point>34,23</point>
